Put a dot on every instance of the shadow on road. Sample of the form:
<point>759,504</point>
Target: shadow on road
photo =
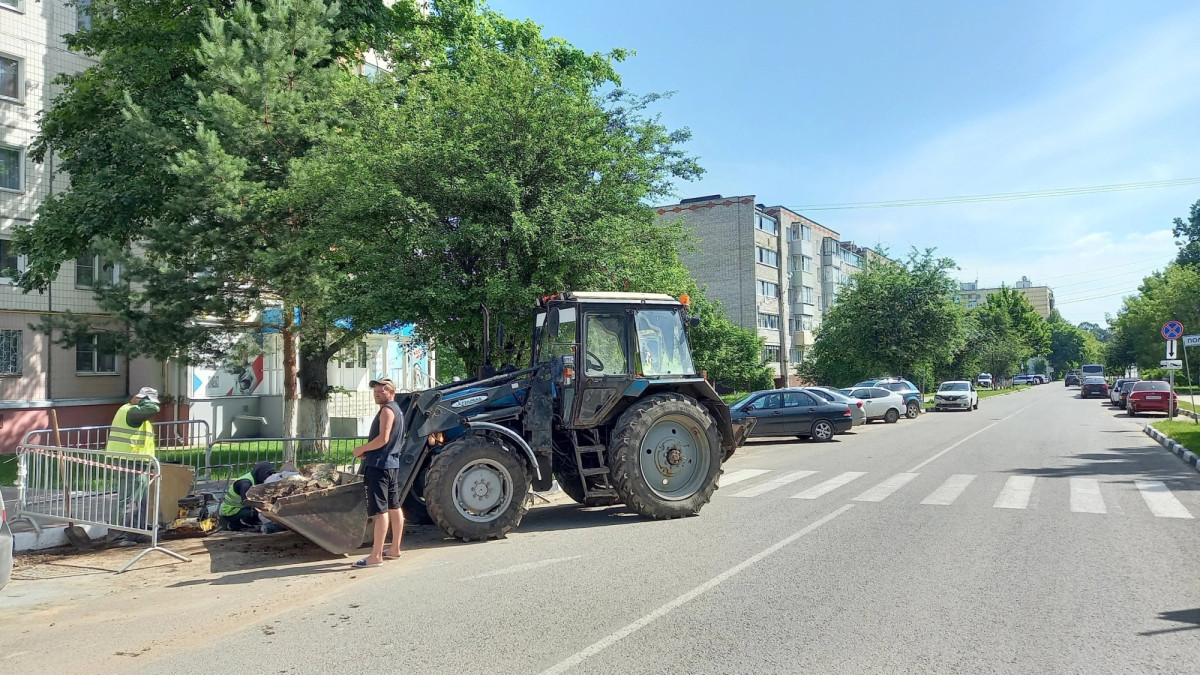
<point>574,517</point>
<point>1191,616</point>
<point>1145,463</point>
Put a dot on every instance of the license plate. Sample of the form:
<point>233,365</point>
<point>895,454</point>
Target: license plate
<point>1153,398</point>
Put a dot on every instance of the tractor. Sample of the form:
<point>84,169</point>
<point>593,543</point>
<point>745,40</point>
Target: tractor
<point>611,406</point>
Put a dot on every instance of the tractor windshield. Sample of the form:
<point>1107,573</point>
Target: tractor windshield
<point>662,344</point>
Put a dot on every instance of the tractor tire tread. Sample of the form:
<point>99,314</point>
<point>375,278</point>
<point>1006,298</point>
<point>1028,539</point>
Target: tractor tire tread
<point>624,466</point>
<point>440,472</point>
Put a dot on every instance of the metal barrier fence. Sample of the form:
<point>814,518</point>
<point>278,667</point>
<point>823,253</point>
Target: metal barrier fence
<point>180,441</point>
<point>243,453</point>
<point>119,491</point>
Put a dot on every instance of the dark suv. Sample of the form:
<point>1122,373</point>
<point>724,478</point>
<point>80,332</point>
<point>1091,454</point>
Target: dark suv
<point>1071,380</point>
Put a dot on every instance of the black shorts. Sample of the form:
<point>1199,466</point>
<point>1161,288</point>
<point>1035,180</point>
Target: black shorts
<point>383,489</point>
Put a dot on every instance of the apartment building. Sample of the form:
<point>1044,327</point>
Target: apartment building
<point>774,270</point>
<point>970,295</point>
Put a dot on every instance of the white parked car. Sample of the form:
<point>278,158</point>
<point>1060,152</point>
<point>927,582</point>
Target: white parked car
<point>878,403</point>
<point>956,394</point>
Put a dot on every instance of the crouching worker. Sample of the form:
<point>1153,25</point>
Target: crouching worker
<point>235,515</point>
<point>381,468</point>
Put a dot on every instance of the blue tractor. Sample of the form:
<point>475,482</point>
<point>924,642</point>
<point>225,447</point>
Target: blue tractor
<point>610,405</point>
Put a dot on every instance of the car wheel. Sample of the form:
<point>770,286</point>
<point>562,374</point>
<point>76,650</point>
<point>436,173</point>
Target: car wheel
<point>912,410</point>
<point>822,431</point>
<point>891,416</point>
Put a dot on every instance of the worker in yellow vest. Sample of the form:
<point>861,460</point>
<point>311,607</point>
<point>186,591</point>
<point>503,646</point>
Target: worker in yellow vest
<point>132,432</point>
<point>235,515</point>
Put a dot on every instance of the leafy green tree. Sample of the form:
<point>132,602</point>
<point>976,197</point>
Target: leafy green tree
<point>1173,293</point>
<point>518,169</point>
<point>179,169</point>
<point>729,354</point>
<point>895,318</point>
<point>1188,234</point>
<point>1067,346</point>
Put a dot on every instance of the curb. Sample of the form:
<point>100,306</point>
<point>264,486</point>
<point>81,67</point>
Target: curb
<point>1173,445</point>
<point>1188,413</point>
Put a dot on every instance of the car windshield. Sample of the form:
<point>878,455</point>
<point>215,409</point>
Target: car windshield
<point>954,386</point>
<point>1128,386</point>
<point>1152,386</point>
<point>1093,380</point>
<point>662,345</point>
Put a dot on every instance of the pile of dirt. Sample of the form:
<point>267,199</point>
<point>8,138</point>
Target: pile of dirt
<point>311,478</point>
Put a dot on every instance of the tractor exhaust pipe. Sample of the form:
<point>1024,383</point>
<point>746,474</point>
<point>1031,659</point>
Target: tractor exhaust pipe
<point>486,370</point>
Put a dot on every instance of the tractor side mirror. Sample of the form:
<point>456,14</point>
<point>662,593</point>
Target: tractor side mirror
<point>552,325</point>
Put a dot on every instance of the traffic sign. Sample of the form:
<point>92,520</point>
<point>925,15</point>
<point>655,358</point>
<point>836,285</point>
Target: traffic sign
<point>1172,330</point>
<point>1171,353</point>
<point>1171,364</point>
<point>1191,340</point>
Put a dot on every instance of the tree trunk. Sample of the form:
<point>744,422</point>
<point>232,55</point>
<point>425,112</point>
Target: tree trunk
<point>314,388</point>
<point>290,394</point>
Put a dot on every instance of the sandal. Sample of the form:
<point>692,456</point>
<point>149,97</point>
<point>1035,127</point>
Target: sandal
<point>363,564</point>
<point>388,556</point>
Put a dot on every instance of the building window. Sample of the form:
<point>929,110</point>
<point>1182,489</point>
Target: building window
<point>91,269</point>
<point>796,354</point>
<point>90,357</point>
<point>83,14</point>
<point>768,289</point>
<point>10,352</point>
<point>10,78</point>
<point>768,321</point>
<point>806,323</point>
<point>370,71</point>
<point>771,353</point>
<point>808,295</point>
<point>767,256</point>
<point>11,4</point>
<point>766,223</point>
<point>11,264</point>
<point>806,233</point>
<point>12,169</point>
<point>806,263</point>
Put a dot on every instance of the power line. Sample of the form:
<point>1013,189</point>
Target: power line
<point>1098,297</point>
<point>1101,269</point>
<point>1092,281</point>
<point>1089,291</point>
<point>998,197</point>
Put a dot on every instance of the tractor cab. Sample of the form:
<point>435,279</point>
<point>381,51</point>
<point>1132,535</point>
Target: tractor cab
<point>606,346</point>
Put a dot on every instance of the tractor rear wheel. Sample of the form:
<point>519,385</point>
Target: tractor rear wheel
<point>476,489</point>
<point>568,480</point>
<point>664,456</point>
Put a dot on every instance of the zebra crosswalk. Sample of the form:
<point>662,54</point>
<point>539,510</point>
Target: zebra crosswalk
<point>1085,494</point>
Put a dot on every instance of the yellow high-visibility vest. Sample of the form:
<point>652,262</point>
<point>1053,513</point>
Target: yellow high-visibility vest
<point>124,438</point>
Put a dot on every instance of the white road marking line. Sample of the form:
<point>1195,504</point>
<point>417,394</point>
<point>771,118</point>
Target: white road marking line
<point>739,476</point>
<point>950,490</point>
<point>772,484</point>
<point>1016,493</point>
<point>616,636</point>
<point>522,567</point>
<point>1162,503</point>
<point>886,488</point>
<point>964,440</point>
<point>1086,497</point>
<point>830,485</point>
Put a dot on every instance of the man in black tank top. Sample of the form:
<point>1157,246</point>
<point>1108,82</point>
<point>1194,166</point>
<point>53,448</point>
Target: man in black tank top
<point>381,463</point>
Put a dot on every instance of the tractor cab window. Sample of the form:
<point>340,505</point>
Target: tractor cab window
<point>662,344</point>
<point>564,345</point>
<point>604,349</point>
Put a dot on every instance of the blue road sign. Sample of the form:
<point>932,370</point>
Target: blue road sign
<point>1172,330</point>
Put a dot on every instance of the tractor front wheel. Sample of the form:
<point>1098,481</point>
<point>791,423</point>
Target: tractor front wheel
<point>665,456</point>
<point>476,489</point>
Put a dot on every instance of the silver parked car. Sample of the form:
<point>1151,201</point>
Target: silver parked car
<point>857,411</point>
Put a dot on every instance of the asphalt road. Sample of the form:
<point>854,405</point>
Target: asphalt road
<point>1041,533</point>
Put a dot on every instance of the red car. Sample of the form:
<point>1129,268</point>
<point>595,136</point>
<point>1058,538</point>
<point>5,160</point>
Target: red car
<point>1151,397</point>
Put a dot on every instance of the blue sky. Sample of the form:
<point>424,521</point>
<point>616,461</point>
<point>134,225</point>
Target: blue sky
<point>833,102</point>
